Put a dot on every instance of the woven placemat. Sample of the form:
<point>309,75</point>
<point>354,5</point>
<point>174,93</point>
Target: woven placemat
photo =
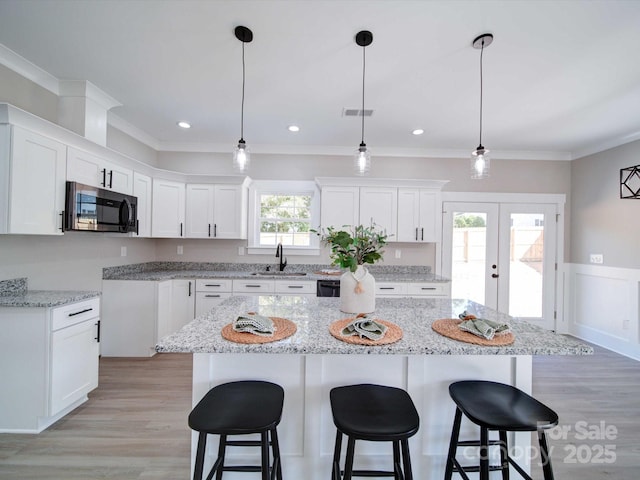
<point>449,328</point>
<point>392,335</point>
<point>284,328</point>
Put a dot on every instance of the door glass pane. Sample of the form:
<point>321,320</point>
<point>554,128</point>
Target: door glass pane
<point>469,250</point>
<point>526,265</point>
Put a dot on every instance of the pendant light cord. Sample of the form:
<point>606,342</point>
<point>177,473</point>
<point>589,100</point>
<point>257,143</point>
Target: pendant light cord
<point>481,52</point>
<point>363,74</point>
<point>242,104</point>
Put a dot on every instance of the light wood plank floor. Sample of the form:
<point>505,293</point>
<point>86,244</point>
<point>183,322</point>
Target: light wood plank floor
<point>134,424</point>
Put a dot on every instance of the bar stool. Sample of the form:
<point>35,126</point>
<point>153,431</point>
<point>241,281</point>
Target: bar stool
<point>378,414</point>
<point>239,408</point>
<point>502,408</point>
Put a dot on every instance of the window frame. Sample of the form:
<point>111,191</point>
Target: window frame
<point>282,187</point>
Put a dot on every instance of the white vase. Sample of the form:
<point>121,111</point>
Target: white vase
<point>357,291</point>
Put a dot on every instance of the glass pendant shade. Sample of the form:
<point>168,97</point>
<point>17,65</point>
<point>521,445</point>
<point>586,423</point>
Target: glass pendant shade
<point>241,157</point>
<point>480,163</point>
<point>362,163</point>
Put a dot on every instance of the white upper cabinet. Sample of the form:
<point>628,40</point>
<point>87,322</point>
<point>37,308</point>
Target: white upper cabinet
<point>379,205</point>
<point>142,188</point>
<point>216,211</point>
<point>32,182</point>
<point>84,167</point>
<point>418,214</point>
<point>339,206</point>
<point>168,210</point>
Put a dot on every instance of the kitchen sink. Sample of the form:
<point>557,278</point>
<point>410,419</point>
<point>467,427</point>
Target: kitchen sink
<point>280,274</point>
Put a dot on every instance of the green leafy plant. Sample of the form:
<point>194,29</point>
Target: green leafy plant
<point>356,246</point>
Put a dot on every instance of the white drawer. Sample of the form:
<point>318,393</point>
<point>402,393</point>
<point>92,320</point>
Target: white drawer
<point>214,285</point>
<point>428,289</point>
<point>390,288</point>
<point>253,286</point>
<point>73,313</point>
<point>295,287</point>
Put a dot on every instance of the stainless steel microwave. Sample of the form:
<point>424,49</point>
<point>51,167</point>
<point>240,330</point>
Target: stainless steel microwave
<point>93,209</point>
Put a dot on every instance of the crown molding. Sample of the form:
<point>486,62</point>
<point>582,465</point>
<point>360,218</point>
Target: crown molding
<point>24,67</point>
<point>601,147</point>
<point>137,133</point>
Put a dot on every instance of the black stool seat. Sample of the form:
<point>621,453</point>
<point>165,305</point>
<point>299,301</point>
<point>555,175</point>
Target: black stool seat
<point>239,408</point>
<point>375,413</point>
<point>503,408</point>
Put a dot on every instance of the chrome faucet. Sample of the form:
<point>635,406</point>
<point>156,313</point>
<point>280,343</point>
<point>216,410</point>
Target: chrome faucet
<point>283,261</point>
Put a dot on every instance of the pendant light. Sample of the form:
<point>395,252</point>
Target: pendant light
<point>480,160</point>
<point>363,157</point>
<point>241,154</point>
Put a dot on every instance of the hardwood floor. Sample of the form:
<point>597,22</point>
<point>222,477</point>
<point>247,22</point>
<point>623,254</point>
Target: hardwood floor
<point>133,427</point>
<point>134,424</point>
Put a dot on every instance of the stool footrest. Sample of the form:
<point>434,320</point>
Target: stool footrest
<point>476,443</point>
<point>244,443</point>
<point>372,473</point>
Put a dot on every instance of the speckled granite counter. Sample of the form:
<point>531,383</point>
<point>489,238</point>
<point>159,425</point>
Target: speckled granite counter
<point>15,293</point>
<point>157,271</point>
<point>313,315</point>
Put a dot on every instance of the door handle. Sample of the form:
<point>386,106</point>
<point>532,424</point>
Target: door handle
<point>494,275</point>
<point>97,337</point>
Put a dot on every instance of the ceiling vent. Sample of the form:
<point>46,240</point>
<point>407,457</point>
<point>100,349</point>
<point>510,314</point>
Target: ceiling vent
<point>357,112</point>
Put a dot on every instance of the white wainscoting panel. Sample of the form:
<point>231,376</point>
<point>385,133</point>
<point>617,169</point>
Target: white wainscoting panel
<point>602,306</point>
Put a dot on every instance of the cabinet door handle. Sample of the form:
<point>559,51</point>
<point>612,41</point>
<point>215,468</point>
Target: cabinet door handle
<point>104,178</point>
<point>189,288</point>
<point>78,313</point>
<point>212,296</point>
<point>97,337</point>
<point>180,228</point>
<point>416,234</point>
<point>110,178</point>
<point>138,227</point>
<point>215,229</point>
<point>209,229</point>
<point>62,221</point>
<point>422,233</point>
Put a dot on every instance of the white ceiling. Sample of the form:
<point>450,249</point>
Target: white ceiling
<point>561,79</point>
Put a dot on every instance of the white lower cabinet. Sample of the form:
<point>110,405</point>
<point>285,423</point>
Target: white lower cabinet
<point>211,292</point>
<point>136,314</point>
<point>48,363</point>
<point>418,289</point>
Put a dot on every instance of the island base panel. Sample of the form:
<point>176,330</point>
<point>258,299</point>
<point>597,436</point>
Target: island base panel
<point>307,433</point>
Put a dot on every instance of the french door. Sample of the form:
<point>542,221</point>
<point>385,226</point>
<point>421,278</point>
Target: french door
<point>503,255</point>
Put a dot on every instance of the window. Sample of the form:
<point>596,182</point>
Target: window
<point>283,212</point>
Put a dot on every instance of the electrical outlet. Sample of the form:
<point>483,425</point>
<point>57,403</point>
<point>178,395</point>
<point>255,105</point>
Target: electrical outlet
<point>180,250</point>
<point>123,251</point>
<point>596,258</point>
<point>398,253</point>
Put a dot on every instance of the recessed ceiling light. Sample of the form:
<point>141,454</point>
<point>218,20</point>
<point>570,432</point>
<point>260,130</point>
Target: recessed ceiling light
<point>184,124</point>
<point>418,131</point>
<point>293,128</point>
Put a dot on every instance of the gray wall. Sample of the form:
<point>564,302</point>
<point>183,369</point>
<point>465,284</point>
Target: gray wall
<point>602,222</point>
<point>24,94</point>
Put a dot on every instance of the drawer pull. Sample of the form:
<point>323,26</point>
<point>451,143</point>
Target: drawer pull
<point>78,313</point>
<point>428,288</point>
<point>387,288</point>
<point>212,296</point>
<point>212,285</point>
<point>294,286</point>
<point>253,286</point>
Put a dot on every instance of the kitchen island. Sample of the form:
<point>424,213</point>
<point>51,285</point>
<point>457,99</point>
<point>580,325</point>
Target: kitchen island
<point>311,362</point>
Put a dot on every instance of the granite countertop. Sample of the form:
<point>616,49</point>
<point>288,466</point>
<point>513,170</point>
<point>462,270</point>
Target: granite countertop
<point>45,298</point>
<point>15,293</point>
<point>157,271</point>
<point>313,315</point>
